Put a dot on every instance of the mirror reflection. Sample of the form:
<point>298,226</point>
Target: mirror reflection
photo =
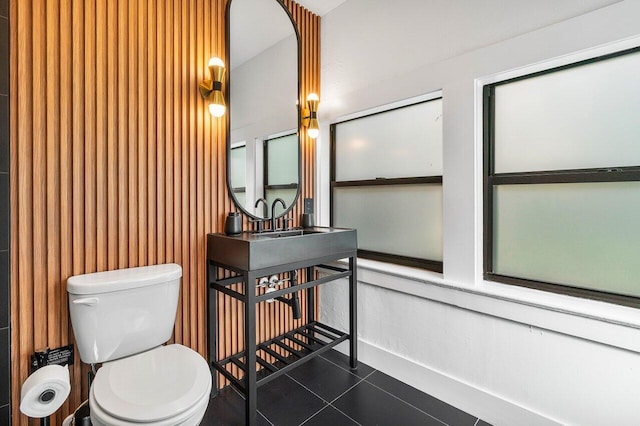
<point>263,146</point>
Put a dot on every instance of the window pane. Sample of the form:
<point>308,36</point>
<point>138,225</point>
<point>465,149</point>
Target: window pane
<point>282,158</point>
<point>580,234</point>
<point>405,142</point>
<point>238,167</point>
<point>581,117</point>
<point>404,220</point>
<point>286,194</point>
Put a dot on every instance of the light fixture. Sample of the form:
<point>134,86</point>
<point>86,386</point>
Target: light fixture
<point>211,90</point>
<point>309,116</point>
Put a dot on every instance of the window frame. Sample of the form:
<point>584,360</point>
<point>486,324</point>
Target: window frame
<point>432,265</point>
<point>492,179</point>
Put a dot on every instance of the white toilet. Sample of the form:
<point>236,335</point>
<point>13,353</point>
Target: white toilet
<point>121,319</point>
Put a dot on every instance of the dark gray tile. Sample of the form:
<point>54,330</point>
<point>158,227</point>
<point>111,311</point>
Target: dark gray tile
<point>5,370</point>
<point>368,405</point>
<point>4,134</point>
<point>4,211</point>
<point>324,378</point>
<point>483,423</point>
<point>329,416</point>
<point>421,400</point>
<point>227,409</point>
<point>342,360</point>
<point>5,415</point>
<point>284,402</point>
<point>4,289</point>
<point>4,8</point>
<point>4,56</point>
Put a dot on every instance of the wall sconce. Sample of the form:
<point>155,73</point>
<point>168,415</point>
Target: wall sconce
<point>211,90</point>
<point>309,116</point>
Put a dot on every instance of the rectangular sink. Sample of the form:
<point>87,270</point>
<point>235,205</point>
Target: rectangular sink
<point>251,251</point>
<point>287,233</point>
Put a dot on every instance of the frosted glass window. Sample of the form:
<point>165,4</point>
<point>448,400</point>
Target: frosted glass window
<point>282,160</point>
<point>578,234</point>
<point>238,167</point>
<point>404,220</point>
<point>562,198</point>
<point>387,170</point>
<point>399,143</point>
<point>581,117</point>
<point>287,194</point>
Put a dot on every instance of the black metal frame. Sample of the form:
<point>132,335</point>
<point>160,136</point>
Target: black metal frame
<point>314,337</point>
<point>228,115</point>
<point>429,264</point>
<point>491,180</point>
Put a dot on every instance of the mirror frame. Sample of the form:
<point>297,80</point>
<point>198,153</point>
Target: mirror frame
<point>228,115</point>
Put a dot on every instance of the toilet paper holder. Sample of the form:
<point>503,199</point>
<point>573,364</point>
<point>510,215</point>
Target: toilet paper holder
<point>62,356</point>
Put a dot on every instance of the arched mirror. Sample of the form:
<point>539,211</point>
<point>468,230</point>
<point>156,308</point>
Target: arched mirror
<point>263,149</point>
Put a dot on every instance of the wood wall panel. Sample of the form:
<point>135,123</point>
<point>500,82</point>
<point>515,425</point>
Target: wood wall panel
<point>115,161</point>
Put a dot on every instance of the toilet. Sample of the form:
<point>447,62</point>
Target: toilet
<point>122,319</point>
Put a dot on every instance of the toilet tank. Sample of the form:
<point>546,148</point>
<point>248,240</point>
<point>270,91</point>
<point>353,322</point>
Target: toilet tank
<point>119,313</point>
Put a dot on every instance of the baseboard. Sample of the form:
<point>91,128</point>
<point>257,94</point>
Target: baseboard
<point>475,401</point>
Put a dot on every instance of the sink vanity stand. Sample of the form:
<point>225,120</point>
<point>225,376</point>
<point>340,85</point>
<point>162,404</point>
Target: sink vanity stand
<point>235,265</point>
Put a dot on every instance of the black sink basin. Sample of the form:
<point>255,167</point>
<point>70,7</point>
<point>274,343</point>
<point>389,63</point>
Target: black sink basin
<point>287,233</point>
<point>250,251</point>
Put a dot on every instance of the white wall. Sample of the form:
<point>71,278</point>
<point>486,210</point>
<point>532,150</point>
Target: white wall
<point>507,354</point>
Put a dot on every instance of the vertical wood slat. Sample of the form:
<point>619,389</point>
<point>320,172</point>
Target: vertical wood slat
<point>66,177</point>
<point>112,114</point>
<point>116,162</point>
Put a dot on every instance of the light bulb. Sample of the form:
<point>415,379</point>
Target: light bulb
<point>216,62</point>
<point>313,130</point>
<point>217,110</point>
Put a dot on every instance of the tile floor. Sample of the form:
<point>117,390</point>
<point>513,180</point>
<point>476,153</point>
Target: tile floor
<point>323,391</point>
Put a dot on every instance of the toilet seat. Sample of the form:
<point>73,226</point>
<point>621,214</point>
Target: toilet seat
<point>164,385</point>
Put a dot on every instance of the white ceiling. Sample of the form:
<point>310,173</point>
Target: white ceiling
<point>257,25</point>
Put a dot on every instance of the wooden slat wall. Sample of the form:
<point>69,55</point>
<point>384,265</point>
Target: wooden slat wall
<point>115,161</point>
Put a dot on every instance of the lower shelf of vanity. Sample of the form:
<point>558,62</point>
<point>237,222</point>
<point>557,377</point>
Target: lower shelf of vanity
<point>301,344</point>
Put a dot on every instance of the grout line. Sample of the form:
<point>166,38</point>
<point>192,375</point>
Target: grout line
<point>315,414</point>
<point>265,417</point>
<point>330,403</point>
<point>258,411</point>
<point>343,393</point>
<point>345,369</point>
<point>314,394</point>
<point>409,404</point>
<point>346,415</point>
<point>476,423</point>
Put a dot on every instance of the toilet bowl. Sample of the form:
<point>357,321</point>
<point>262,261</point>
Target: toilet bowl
<point>122,319</point>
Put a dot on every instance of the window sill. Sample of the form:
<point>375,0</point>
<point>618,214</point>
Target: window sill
<point>614,325</point>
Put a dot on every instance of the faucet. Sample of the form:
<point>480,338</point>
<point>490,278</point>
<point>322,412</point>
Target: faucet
<point>273,213</point>
<point>266,206</point>
<point>264,212</point>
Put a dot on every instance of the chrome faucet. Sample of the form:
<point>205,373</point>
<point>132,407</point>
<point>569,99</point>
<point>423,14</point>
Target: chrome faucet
<point>273,213</point>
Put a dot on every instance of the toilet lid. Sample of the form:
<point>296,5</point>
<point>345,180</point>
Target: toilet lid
<point>152,386</point>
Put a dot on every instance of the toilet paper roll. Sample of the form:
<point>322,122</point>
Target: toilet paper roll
<point>45,391</point>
